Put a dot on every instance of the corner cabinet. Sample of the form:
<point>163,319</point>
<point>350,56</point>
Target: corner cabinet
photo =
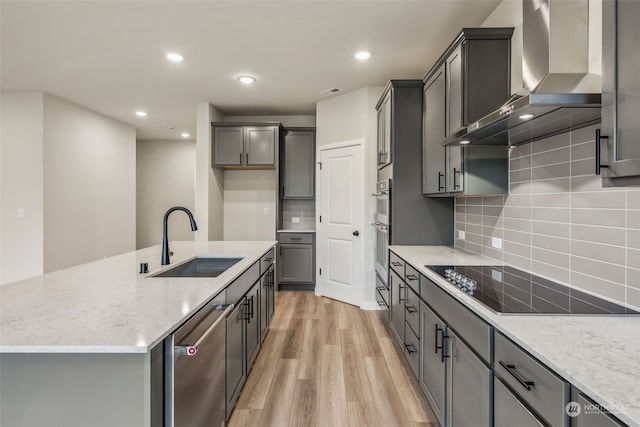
<point>297,164</point>
<point>620,159</point>
<point>470,80</point>
<point>245,145</point>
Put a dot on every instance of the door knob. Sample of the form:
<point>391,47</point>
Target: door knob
<point>356,233</point>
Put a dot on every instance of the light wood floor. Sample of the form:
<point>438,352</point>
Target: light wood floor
<point>326,363</point>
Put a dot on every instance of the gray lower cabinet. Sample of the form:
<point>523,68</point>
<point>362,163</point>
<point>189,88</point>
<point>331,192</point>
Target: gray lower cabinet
<point>589,414</point>
<point>509,408</point>
<point>267,300</point>
<point>297,164</point>
<point>296,258</point>
<point>253,324</point>
<point>434,363</point>
<point>620,87</point>
<point>396,315</point>
<point>469,386</point>
<point>235,370</point>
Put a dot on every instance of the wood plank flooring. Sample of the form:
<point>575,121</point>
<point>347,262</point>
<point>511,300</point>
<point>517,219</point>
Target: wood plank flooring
<point>326,363</point>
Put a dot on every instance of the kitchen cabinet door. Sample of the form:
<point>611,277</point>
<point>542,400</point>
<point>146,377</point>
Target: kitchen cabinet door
<point>620,87</point>
<point>296,263</point>
<point>455,119</point>
<point>298,165</point>
<point>235,368</point>
<point>384,131</point>
<point>253,324</point>
<point>509,408</point>
<point>260,145</point>
<point>433,132</point>
<point>470,401</point>
<point>455,172</point>
<point>434,365</point>
<point>267,300</point>
<point>228,146</point>
<point>589,416</point>
<point>398,289</point>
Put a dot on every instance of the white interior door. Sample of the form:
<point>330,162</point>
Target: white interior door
<point>340,230</point>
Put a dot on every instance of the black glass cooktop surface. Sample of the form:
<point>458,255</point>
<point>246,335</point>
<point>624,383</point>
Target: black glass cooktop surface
<point>507,290</point>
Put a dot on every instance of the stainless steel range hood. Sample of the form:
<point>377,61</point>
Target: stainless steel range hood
<point>559,94</point>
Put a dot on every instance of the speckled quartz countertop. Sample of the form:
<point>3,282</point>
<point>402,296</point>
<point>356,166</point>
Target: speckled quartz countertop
<point>600,355</point>
<point>106,306</point>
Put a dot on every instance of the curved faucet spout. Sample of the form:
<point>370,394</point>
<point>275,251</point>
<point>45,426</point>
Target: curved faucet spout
<point>165,240</point>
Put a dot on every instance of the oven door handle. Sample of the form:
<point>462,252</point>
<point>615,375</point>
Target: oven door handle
<point>191,350</point>
<point>381,194</point>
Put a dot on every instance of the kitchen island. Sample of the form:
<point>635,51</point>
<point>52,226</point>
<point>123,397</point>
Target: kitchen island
<point>598,354</point>
<point>76,344</point>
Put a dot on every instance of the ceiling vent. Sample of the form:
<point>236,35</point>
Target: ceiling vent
<point>330,91</point>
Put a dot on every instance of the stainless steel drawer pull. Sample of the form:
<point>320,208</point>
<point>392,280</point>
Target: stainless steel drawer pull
<point>410,309</point>
<point>512,370</point>
<point>410,348</point>
<point>191,350</point>
<point>296,238</point>
<point>268,259</point>
<point>396,264</point>
<point>381,288</point>
<point>412,277</point>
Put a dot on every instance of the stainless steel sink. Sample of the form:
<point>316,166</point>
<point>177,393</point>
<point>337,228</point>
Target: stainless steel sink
<point>199,267</point>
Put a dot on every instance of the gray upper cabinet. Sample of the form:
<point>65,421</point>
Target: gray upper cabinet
<point>245,145</point>
<point>297,164</point>
<point>620,86</point>
<point>470,80</point>
<point>433,132</point>
<point>384,131</point>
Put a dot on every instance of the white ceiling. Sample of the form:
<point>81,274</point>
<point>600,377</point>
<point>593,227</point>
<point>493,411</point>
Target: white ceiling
<point>109,56</point>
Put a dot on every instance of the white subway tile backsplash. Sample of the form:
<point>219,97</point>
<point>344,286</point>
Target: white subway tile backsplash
<point>558,221</point>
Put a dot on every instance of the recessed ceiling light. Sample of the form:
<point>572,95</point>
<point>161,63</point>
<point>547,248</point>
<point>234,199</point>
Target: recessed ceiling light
<point>175,57</point>
<point>526,116</point>
<point>141,113</point>
<point>362,55</point>
<point>185,135</point>
<point>465,142</point>
<point>246,79</point>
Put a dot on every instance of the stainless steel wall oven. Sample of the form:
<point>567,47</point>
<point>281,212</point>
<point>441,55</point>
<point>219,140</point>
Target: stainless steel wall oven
<point>382,225</point>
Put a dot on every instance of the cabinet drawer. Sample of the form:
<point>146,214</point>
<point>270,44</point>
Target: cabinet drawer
<point>241,285</point>
<point>382,290</point>
<point>266,261</point>
<point>412,309</point>
<point>470,327</point>
<point>396,263</point>
<point>412,349</point>
<point>508,408</point>
<point>412,278</point>
<point>295,238</point>
<point>540,388</point>
<point>589,416</point>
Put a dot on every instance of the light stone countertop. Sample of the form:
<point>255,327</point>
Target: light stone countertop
<point>600,355</point>
<point>107,306</point>
<point>293,230</point>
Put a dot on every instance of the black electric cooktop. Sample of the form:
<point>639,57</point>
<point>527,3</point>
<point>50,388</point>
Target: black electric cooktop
<point>507,290</point>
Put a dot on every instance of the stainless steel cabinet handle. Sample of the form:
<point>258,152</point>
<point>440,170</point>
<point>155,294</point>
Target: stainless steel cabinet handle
<point>191,350</point>
<point>456,172</point>
<point>400,287</point>
<point>412,277</point>
<point>512,370</point>
<point>396,264</point>
<point>440,186</point>
<point>410,309</point>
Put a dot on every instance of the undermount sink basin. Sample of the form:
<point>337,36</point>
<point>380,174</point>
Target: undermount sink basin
<point>199,267</point>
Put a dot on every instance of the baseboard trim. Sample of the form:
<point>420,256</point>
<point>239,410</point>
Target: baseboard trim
<point>296,287</point>
<point>370,305</point>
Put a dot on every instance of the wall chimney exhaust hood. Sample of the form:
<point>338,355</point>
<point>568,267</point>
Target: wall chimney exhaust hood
<point>559,93</point>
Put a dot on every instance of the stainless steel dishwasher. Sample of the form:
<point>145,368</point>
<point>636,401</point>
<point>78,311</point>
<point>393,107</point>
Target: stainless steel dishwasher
<point>196,369</point>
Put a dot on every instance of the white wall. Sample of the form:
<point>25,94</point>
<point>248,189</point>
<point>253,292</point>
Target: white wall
<point>247,193</point>
<point>21,186</point>
<point>89,185</point>
<point>347,117</point>
<point>165,177</point>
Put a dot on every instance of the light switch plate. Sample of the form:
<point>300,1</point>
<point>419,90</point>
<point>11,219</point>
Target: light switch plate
<point>496,242</point>
<point>295,219</point>
<point>460,234</point>
<point>266,211</point>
